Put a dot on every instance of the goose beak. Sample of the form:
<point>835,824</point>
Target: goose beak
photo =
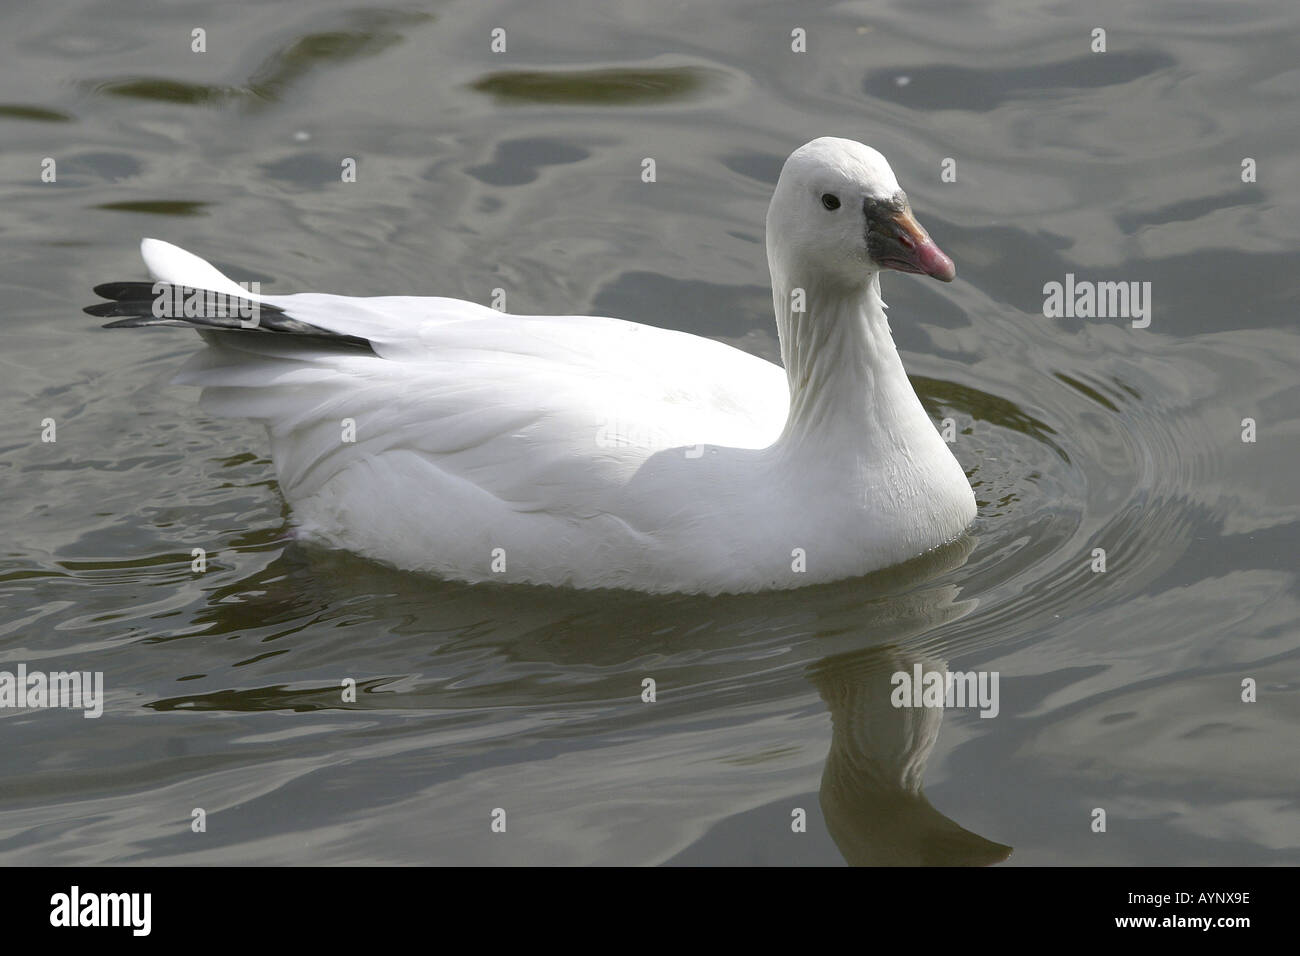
<point>895,240</point>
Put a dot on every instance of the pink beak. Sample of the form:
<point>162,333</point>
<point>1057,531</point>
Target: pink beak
<point>914,251</point>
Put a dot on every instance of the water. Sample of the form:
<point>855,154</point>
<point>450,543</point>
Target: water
<point>1118,690</point>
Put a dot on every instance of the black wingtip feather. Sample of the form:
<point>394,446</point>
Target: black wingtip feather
<point>134,301</point>
<point>120,290</point>
<point>140,321</point>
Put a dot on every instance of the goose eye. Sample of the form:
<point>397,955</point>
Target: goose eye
<point>830,201</point>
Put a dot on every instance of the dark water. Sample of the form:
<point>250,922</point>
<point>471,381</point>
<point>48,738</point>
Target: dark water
<point>1119,690</point>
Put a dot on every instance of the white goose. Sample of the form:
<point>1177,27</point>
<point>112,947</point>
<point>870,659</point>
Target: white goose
<point>598,453</point>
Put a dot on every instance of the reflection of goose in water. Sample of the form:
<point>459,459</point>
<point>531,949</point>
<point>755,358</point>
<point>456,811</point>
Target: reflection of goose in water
<point>871,787</point>
<point>644,777</point>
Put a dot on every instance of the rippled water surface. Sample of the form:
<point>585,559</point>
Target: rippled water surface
<point>521,170</point>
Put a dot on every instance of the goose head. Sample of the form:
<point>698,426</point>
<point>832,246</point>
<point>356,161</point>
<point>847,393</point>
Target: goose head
<point>838,216</point>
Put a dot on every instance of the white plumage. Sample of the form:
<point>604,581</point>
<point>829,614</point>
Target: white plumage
<point>594,452</point>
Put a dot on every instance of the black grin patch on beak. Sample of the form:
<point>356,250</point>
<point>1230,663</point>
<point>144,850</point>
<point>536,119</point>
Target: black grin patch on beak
<point>881,216</point>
